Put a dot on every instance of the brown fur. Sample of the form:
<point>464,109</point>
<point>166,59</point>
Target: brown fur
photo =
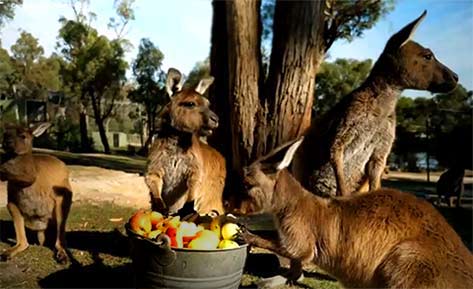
<point>350,144</point>
<point>182,168</point>
<point>39,192</point>
<point>385,239</point>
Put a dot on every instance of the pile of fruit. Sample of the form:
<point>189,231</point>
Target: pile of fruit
<point>208,233</point>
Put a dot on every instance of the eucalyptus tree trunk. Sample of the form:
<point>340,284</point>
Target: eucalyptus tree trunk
<point>257,114</point>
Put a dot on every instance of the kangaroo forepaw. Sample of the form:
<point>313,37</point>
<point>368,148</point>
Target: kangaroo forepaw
<point>245,235</point>
<point>62,257</point>
<point>9,253</point>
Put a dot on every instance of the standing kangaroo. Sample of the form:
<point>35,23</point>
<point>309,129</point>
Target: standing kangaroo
<point>385,239</point>
<point>39,192</point>
<point>181,168</point>
<point>349,146</point>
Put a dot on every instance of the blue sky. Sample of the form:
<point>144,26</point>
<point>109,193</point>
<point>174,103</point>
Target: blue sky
<point>181,29</point>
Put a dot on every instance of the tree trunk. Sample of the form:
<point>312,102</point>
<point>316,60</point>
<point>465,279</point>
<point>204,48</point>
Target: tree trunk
<point>244,60</point>
<point>84,136</point>
<point>258,116</point>
<point>99,122</point>
<point>218,94</point>
<point>298,49</point>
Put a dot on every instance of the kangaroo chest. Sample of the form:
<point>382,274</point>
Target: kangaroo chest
<point>177,170</point>
<point>176,165</point>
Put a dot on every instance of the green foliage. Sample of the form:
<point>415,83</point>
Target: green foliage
<point>347,19</point>
<point>337,79</point>
<point>7,70</point>
<point>440,125</point>
<point>200,70</point>
<point>32,74</point>
<point>150,91</point>
<point>344,19</point>
<point>7,10</point>
<point>27,50</point>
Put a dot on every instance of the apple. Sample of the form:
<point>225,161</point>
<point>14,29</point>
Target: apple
<point>175,236</point>
<point>228,244</point>
<point>154,234</point>
<point>230,231</point>
<point>156,218</point>
<point>140,222</point>
<point>205,240</point>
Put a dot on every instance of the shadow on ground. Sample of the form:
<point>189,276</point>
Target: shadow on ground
<point>96,275</point>
<point>109,242</point>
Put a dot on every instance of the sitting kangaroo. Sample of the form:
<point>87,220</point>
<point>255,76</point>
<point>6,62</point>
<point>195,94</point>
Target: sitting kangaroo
<point>39,192</point>
<point>385,239</point>
<point>349,145</point>
<point>182,168</point>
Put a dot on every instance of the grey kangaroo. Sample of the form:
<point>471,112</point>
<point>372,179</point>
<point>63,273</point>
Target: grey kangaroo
<point>346,150</point>
<point>39,192</point>
<point>385,239</point>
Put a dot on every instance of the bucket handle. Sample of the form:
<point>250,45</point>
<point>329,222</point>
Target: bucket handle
<point>163,249</point>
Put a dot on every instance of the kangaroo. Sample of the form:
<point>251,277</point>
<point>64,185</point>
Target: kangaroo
<point>350,144</point>
<point>39,192</point>
<point>385,239</point>
<point>181,167</point>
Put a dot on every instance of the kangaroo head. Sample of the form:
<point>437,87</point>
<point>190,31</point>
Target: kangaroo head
<point>259,180</point>
<point>188,111</point>
<point>409,65</point>
<point>18,140</point>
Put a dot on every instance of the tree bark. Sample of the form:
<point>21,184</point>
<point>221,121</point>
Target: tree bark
<point>298,49</point>
<point>218,94</point>
<point>244,60</point>
<point>99,122</point>
<point>84,136</point>
<point>256,116</point>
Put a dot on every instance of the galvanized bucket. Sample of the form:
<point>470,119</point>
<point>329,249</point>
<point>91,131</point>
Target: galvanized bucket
<point>156,265</point>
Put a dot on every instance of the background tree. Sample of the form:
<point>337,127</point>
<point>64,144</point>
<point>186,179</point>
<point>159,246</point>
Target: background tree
<point>94,69</point>
<point>200,70</point>
<point>7,10</point>
<point>150,90</point>
<point>264,112</point>
<point>337,79</point>
<point>7,74</point>
<point>439,125</point>
<point>34,75</point>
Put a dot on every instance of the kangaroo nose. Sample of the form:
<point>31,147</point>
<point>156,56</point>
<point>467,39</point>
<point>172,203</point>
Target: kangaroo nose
<point>214,118</point>
<point>455,76</point>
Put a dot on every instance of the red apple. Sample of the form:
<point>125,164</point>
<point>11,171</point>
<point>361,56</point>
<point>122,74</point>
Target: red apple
<point>140,222</point>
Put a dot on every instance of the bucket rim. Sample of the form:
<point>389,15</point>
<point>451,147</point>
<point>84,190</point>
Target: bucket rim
<point>132,234</point>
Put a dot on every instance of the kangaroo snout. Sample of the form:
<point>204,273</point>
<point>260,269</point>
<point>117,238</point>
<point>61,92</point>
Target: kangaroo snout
<point>212,120</point>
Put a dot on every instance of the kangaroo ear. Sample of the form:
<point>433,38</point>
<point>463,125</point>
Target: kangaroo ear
<point>289,155</point>
<point>204,84</point>
<point>405,34</point>
<point>39,129</point>
<point>173,81</point>
<point>281,157</point>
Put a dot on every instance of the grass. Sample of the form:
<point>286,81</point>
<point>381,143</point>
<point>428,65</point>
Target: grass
<point>100,251</point>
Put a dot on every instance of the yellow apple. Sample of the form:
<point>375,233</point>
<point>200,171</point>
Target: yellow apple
<point>230,231</point>
<point>228,244</point>
<point>204,240</point>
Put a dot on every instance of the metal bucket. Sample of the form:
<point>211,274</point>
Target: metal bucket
<point>156,265</point>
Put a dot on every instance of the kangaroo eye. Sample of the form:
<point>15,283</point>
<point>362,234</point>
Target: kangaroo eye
<point>189,104</point>
<point>428,56</point>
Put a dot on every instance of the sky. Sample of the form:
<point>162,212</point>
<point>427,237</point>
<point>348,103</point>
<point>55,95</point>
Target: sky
<point>181,30</point>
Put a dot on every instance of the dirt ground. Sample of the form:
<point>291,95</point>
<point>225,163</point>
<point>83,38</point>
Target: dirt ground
<point>96,184</point>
